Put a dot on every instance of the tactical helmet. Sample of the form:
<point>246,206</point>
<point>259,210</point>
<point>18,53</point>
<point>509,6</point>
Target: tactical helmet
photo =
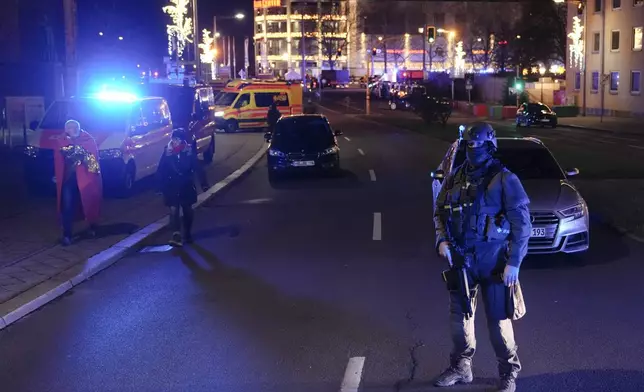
<point>480,132</point>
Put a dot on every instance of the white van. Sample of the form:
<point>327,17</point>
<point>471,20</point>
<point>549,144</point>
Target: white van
<point>130,134</point>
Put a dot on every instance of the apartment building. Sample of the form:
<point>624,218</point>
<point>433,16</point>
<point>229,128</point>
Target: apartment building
<point>604,70</point>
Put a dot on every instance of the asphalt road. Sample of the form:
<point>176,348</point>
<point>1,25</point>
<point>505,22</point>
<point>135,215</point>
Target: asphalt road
<point>287,283</point>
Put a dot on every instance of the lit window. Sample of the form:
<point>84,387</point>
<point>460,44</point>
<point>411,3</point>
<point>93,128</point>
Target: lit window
<point>637,38</point>
<point>595,82</point>
<point>636,80</point>
<point>577,80</point>
<point>614,81</point>
<point>614,40</point>
<point>596,42</point>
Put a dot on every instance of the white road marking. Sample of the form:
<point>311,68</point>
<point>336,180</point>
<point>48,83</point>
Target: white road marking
<point>638,147</point>
<point>372,175</point>
<point>360,151</point>
<point>347,139</point>
<point>377,226</point>
<point>353,375</point>
<point>255,201</point>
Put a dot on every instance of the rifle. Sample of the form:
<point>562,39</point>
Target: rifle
<point>457,279</point>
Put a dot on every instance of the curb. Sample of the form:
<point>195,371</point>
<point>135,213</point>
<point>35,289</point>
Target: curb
<point>47,291</point>
<point>612,132</point>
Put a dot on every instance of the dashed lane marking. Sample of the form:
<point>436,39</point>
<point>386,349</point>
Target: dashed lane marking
<point>372,175</point>
<point>353,375</point>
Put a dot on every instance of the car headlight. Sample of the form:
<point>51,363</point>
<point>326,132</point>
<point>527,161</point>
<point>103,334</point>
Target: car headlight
<point>219,114</point>
<point>331,150</point>
<point>276,153</point>
<point>576,211</point>
<point>31,151</point>
<point>110,153</point>
<point>544,112</point>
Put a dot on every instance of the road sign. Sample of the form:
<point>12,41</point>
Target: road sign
<point>468,86</point>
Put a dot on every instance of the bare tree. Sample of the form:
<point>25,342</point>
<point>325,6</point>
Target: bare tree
<point>335,28</point>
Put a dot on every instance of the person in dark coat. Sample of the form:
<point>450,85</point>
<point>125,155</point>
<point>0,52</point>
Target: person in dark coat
<point>273,116</point>
<point>177,172</point>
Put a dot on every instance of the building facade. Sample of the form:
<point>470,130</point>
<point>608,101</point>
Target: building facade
<point>329,40</point>
<point>606,61</point>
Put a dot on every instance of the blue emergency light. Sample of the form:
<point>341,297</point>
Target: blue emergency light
<point>115,96</point>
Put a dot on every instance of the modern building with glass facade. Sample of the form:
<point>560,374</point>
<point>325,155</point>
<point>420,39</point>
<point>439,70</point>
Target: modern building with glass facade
<point>606,61</point>
<point>329,41</point>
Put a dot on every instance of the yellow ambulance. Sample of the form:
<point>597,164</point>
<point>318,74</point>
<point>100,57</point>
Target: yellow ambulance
<point>244,104</point>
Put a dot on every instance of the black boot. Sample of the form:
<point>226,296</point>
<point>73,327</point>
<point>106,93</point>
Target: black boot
<point>176,240</point>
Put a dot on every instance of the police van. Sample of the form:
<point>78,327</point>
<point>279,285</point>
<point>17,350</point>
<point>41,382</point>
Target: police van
<point>130,133</point>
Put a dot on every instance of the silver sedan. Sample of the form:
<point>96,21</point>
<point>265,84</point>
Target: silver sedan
<point>559,214</point>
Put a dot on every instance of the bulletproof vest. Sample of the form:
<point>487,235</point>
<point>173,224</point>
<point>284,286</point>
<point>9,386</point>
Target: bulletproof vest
<point>473,214</point>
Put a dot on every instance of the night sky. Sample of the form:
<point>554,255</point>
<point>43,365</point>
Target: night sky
<point>143,27</point>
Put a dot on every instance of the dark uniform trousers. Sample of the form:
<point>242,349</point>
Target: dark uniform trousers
<point>486,268</point>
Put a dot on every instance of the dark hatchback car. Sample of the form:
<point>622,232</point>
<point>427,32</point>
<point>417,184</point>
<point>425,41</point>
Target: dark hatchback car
<point>303,143</point>
<point>535,114</point>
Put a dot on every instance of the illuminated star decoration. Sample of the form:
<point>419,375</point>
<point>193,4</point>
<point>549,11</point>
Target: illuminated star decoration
<point>577,45</point>
<point>180,31</point>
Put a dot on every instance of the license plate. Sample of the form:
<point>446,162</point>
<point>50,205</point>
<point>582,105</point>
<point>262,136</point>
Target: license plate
<point>538,232</point>
<point>545,120</point>
<point>303,163</point>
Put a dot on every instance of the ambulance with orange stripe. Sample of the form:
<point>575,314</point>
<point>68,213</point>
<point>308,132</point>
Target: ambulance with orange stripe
<point>130,133</point>
<point>244,104</point>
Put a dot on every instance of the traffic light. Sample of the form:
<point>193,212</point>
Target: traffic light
<point>580,8</point>
<point>374,51</point>
<point>518,85</point>
<point>431,34</point>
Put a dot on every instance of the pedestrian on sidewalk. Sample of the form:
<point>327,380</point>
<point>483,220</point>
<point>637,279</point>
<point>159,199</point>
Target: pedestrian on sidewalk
<point>177,172</point>
<point>78,178</point>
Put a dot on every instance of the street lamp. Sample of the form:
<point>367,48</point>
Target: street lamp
<point>217,34</point>
<point>421,31</point>
<point>239,16</point>
<point>380,38</point>
<point>120,38</point>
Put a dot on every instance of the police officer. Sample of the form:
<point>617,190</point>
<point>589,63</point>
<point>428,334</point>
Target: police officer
<point>482,220</point>
<point>273,116</point>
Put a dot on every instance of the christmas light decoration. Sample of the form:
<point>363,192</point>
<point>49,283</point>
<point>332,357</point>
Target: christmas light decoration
<point>459,59</point>
<point>180,31</point>
<point>209,52</point>
<point>577,46</point>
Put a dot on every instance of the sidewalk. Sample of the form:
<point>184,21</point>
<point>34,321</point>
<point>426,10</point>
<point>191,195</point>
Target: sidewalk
<point>30,255</point>
<point>633,126</point>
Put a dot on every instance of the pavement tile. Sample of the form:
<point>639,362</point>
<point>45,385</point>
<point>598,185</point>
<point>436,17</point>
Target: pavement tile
<point>29,229</point>
<point>8,280</point>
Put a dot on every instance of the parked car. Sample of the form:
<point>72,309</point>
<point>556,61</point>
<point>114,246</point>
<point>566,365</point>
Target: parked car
<point>303,143</point>
<point>407,97</point>
<point>559,214</point>
<point>535,114</point>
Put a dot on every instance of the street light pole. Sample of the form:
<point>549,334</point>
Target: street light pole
<point>195,40</point>
<point>215,35</point>
<point>71,31</point>
<point>421,30</point>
